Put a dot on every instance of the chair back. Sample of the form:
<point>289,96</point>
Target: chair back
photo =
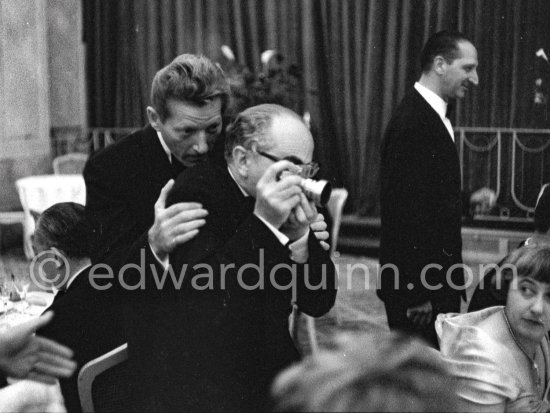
<point>100,382</point>
<point>39,192</point>
<point>71,163</point>
<point>335,206</point>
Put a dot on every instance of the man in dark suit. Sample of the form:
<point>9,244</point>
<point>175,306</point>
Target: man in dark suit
<point>126,186</point>
<point>84,320</point>
<point>227,335</point>
<point>421,192</point>
<point>124,181</point>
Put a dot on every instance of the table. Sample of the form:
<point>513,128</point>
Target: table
<point>39,192</point>
<point>16,314</point>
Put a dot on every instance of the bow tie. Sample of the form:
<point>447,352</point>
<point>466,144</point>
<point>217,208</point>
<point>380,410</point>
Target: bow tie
<point>177,166</point>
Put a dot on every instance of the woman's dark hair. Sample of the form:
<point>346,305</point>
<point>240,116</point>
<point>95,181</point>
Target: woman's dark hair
<point>65,227</point>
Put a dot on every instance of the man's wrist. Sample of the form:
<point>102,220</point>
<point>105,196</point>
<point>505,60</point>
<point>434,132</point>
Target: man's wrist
<point>160,255</point>
<point>295,234</point>
<point>283,239</point>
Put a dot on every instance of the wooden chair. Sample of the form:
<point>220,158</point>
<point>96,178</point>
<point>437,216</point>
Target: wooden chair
<point>99,382</point>
<point>335,207</point>
<point>71,163</point>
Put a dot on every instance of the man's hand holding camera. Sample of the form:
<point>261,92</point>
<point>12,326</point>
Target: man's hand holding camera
<point>276,198</point>
<point>299,220</point>
<point>281,202</point>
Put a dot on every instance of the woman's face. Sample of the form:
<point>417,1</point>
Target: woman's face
<point>528,308</point>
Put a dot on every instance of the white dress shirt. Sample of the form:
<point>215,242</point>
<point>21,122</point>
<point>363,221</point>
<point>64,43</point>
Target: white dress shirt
<point>438,104</point>
<point>166,261</point>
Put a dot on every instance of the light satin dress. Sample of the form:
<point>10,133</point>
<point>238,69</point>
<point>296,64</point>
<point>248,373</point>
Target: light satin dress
<point>493,374</point>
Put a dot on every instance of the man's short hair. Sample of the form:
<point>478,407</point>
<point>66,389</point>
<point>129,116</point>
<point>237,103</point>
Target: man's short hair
<point>189,78</point>
<point>542,210</point>
<point>386,372</point>
<point>443,43</point>
<point>251,125</point>
<point>65,227</point>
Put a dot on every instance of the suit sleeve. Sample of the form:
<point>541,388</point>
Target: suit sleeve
<point>417,212</point>
<point>251,254</point>
<point>409,187</point>
<point>114,225</point>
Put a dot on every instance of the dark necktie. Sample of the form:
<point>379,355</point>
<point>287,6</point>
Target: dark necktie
<point>250,202</point>
<point>177,166</point>
<point>450,110</point>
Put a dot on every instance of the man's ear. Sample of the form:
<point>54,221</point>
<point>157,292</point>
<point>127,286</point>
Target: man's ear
<point>439,65</point>
<point>154,118</point>
<point>60,259</point>
<point>241,159</point>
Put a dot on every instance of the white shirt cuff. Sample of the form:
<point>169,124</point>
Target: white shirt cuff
<point>165,262</point>
<point>283,239</point>
<point>299,251</point>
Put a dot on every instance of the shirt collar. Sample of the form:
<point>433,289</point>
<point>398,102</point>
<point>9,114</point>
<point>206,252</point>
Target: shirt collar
<point>76,275</point>
<point>245,194</point>
<point>433,99</point>
<point>165,147</point>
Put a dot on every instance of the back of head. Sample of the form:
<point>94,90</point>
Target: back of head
<point>251,125</point>
<point>383,373</point>
<point>542,210</point>
<point>65,227</point>
<point>443,43</point>
<point>189,78</point>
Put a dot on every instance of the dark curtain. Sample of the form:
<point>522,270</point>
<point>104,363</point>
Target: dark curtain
<point>358,58</point>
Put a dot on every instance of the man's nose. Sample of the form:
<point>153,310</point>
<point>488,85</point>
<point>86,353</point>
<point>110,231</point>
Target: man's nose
<point>474,78</point>
<point>201,143</point>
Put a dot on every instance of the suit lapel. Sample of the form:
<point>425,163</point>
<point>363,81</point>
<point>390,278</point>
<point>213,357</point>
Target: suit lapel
<point>244,205</point>
<point>430,118</point>
<point>156,165</point>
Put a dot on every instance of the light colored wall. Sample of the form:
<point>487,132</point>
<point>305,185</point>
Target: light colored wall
<point>66,63</point>
<point>41,85</point>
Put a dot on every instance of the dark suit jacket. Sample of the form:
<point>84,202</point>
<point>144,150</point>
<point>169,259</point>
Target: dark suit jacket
<point>420,202</point>
<point>223,345</point>
<point>123,182</point>
<point>85,322</point>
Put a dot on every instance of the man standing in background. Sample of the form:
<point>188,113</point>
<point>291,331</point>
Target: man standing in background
<point>421,203</point>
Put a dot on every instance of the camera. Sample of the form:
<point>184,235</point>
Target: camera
<point>317,191</point>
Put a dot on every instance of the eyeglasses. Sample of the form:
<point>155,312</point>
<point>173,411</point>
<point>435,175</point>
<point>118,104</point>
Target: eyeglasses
<point>308,170</point>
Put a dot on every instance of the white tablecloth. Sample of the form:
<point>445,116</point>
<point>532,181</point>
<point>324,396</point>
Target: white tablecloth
<point>17,313</point>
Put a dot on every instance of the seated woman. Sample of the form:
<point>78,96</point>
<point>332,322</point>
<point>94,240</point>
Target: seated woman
<point>500,354</point>
<point>489,292</point>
